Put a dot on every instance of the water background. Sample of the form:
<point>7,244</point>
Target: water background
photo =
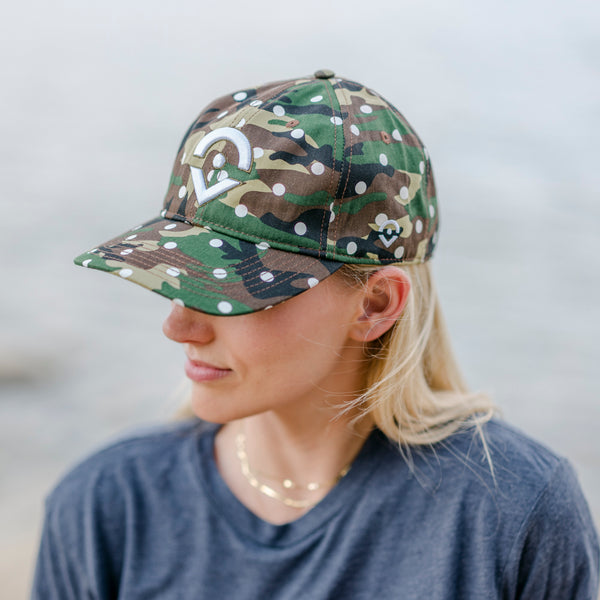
<point>95,99</point>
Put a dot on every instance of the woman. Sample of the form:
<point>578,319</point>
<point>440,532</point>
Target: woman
<point>334,451</point>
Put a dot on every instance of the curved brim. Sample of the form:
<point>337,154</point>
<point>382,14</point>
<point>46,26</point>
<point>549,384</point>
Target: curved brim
<point>206,270</point>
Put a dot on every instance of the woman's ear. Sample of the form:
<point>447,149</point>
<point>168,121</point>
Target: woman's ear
<point>383,300</point>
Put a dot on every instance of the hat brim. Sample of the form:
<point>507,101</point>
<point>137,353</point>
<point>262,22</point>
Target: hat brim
<point>205,270</point>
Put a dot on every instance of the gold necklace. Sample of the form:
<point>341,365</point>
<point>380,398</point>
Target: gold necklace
<point>263,488</point>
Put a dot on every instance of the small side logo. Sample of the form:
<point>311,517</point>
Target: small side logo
<point>388,232</point>
<point>240,141</point>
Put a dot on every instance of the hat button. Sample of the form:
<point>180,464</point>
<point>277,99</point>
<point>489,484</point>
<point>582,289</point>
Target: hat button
<point>324,74</point>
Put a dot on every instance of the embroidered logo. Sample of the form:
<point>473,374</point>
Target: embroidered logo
<point>389,232</point>
<point>240,141</point>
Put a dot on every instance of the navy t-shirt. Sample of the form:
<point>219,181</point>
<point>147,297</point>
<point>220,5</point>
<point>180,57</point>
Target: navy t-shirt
<point>150,517</point>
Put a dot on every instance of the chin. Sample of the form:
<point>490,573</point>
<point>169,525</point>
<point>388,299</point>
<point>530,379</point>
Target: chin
<point>217,410</point>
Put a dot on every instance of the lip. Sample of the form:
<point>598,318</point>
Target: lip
<point>202,372</point>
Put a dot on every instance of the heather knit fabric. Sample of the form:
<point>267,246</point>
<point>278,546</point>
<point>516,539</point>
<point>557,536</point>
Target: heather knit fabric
<point>150,517</point>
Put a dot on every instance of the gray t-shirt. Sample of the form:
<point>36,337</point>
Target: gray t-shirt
<point>150,517</point>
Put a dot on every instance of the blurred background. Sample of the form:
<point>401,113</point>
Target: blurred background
<point>95,99</point>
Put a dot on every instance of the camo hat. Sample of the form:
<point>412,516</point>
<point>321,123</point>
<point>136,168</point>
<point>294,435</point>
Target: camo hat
<point>276,187</point>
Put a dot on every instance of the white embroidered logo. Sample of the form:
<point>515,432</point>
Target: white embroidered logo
<point>386,234</point>
<point>236,137</point>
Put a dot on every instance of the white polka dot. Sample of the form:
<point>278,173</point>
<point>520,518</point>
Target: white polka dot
<point>396,135</point>
<point>221,115</point>
<point>178,301</point>
<point>361,187</point>
<point>278,110</point>
<point>183,157</point>
<point>426,152</point>
<point>219,273</point>
<point>351,248</point>
<point>431,211</point>
<point>383,159</point>
<point>404,193</point>
<point>365,108</point>
<point>241,210</point>
<point>263,246</point>
<point>93,250</point>
<point>210,175</point>
<point>241,124</point>
<point>136,228</point>
<point>380,219</point>
<point>86,262</point>
<point>222,175</point>
<point>126,251</point>
<point>224,307</point>
<point>256,103</point>
<point>218,161</point>
<point>354,129</point>
<point>312,281</point>
<point>399,252</point>
<point>182,191</point>
<point>317,168</point>
<point>170,245</point>
<point>316,99</point>
<point>125,273</point>
<point>268,307</point>
<point>240,96</point>
<point>216,243</point>
<point>297,133</point>
<point>173,271</point>
<point>163,212</point>
<point>267,276</point>
<point>258,152</point>
<point>332,217</point>
<point>300,228</point>
<point>422,167</point>
<point>336,120</point>
<point>131,237</point>
<point>418,226</point>
<point>171,226</point>
<point>279,189</point>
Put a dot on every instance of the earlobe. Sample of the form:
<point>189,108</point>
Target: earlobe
<point>385,296</point>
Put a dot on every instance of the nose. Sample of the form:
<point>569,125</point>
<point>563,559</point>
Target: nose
<point>184,325</point>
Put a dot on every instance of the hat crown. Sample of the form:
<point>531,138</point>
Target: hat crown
<point>320,166</point>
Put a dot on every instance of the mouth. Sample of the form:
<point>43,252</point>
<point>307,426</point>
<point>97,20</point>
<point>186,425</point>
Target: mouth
<point>202,372</point>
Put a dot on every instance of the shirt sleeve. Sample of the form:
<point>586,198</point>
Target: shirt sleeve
<point>57,576</point>
<point>555,555</point>
<point>82,539</point>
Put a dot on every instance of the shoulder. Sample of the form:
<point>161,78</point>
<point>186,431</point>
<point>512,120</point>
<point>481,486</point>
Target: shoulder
<point>521,475</point>
<point>494,456</point>
<point>501,456</point>
<point>554,550</point>
<point>140,460</point>
<point>533,497</point>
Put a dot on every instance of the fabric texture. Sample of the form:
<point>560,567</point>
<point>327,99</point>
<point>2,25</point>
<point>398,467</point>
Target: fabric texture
<point>274,187</point>
<point>150,517</point>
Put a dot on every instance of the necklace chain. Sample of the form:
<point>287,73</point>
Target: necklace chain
<point>263,488</point>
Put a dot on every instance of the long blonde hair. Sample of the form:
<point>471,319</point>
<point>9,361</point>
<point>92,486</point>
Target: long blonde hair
<point>415,392</point>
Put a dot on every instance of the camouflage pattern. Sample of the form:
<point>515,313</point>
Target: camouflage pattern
<point>275,187</point>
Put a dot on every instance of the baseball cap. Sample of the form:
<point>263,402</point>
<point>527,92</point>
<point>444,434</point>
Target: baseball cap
<point>273,189</point>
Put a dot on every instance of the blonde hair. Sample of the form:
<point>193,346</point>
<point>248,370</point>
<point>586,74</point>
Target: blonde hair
<point>415,392</point>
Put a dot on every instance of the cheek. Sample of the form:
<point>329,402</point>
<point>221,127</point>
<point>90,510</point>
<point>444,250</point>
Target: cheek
<point>297,356</point>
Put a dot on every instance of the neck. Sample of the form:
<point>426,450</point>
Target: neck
<point>313,449</point>
<point>290,446</point>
